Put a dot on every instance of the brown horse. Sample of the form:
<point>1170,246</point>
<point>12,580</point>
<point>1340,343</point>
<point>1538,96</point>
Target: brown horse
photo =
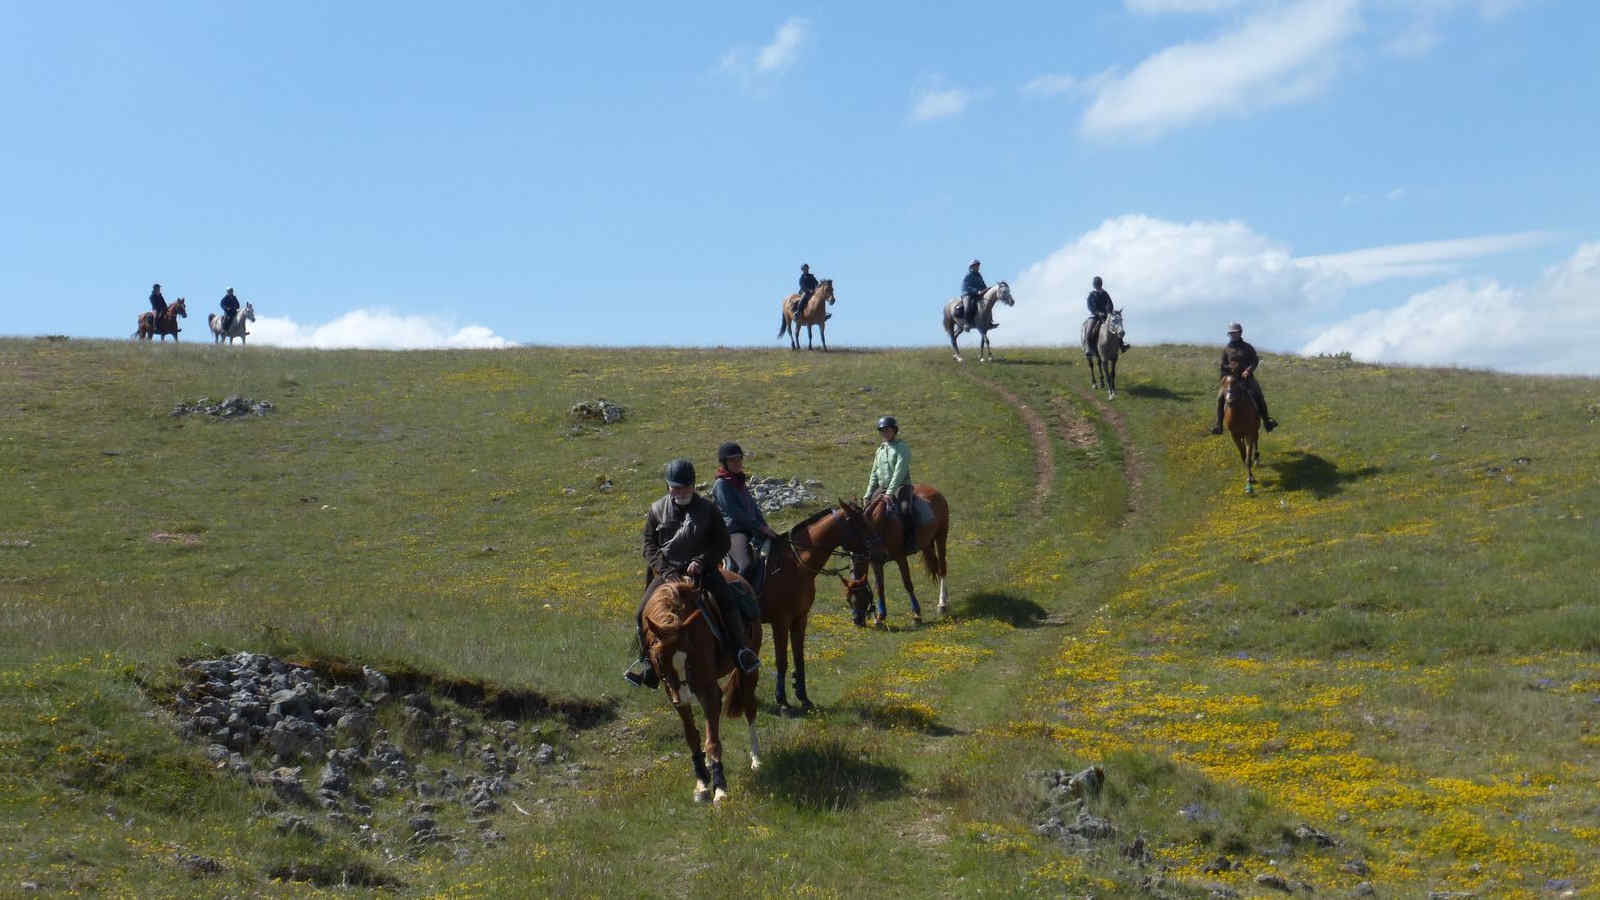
<point>151,324</point>
<point>685,653</point>
<point>887,534</point>
<point>791,587</point>
<point>815,313</point>
<point>1241,418</point>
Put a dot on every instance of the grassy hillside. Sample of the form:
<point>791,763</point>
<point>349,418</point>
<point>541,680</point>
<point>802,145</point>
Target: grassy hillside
<point>1382,667</point>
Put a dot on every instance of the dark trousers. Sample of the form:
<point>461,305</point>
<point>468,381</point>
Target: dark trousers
<point>158,307</point>
<point>805,297</point>
<point>717,586</point>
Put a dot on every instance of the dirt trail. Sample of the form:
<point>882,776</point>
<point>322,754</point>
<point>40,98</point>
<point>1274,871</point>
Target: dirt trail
<point>1044,460</point>
<point>1133,462</point>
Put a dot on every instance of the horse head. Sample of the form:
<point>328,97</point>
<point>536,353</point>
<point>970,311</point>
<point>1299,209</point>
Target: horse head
<point>249,312</point>
<point>1002,293</point>
<point>179,309</point>
<point>1114,323</point>
<point>825,288</point>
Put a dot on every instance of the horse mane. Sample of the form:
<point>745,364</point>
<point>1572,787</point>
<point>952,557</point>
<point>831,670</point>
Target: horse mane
<point>810,520</point>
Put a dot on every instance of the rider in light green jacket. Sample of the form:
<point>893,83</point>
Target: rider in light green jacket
<point>891,469</point>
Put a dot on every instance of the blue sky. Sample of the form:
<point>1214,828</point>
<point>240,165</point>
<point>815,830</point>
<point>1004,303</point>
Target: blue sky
<point>1411,180</point>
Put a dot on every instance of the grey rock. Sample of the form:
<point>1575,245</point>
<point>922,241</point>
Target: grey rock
<point>1364,889</point>
<point>291,824</point>
<point>1276,882</point>
<point>377,682</point>
<point>1356,867</point>
<point>216,752</point>
<point>290,738</point>
<point>286,785</point>
<point>1305,833</point>
<point>545,755</point>
<point>601,410</point>
<point>197,865</point>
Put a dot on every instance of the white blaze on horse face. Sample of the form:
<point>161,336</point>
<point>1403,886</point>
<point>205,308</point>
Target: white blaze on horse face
<point>679,660</point>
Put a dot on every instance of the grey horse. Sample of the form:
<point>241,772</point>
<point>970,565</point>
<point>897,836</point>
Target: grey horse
<point>236,330</point>
<point>983,320</point>
<point>1105,351</point>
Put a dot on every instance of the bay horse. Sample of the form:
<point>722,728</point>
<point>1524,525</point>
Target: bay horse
<point>236,330</point>
<point>790,588</point>
<point>680,644</point>
<point>1105,350</point>
<point>982,319</point>
<point>815,313</point>
<point>151,324</point>
<point>1243,421</point>
<point>890,542</point>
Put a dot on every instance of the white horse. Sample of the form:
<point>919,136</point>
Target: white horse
<point>982,320</point>
<point>236,330</point>
<point>1105,350</point>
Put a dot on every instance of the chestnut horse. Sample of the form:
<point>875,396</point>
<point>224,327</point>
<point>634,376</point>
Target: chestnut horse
<point>791,587</point>
<point>1240,417</point>
<point>151,324</point>
<point>681,646</point>
<point>815,313</point>
<point>888,537</point>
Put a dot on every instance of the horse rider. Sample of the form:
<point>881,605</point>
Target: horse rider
<point>808,286</point>
<point>891,474</point>
<point>1239,359</point>
<point>972,288</point>
<point>684,536</point>
<point>230,308</point>
<point>741,515</point>
<point>158,303</point>
<point>1100,307</point>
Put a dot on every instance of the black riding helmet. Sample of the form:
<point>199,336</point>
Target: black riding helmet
<point>680,473</point>
<point>888,422</point>
<point>728,450</point>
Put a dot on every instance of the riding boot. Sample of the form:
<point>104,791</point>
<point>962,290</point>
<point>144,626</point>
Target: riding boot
<point>1217,428</point>
<point>733,626</point>
<point>1267,421</point>
<point>640,673</point>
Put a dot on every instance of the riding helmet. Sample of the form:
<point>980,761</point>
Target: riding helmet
<point>1235,328</point>
<point>805,267</point>
<point>1097,281</point>
<point>680,473</point>
<point>974,264</point>
<point>888,422</point>
<point>728,451</point>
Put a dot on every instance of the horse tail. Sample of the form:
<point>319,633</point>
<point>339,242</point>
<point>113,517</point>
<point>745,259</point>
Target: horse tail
<point>783,327</point>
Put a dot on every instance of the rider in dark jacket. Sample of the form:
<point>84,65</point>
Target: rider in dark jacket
<point>684,536</point>
<point>158,303</point>
<point>230,308</point>
<point>1240,360</point>
<point>740,514</point>
<point>808,285</point>
<point>1100,307</point>
<point>972,288</point>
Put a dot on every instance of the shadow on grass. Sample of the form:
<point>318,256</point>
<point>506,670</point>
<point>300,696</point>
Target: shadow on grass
<point>827,776</point>
<point>1031,362</point>
<point>902,717</point>
<point>1300,471</point>
<point>1018,612</point>
<point>1152,392</point>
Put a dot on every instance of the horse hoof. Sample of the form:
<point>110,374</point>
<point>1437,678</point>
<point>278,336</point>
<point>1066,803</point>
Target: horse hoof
<point>1249,489</point>
<point>701,795</point>
<point>1112,395</point>
<point>755,763</point>
<point>941,609</point>
<point>916,618</point>
<point>721,795</point>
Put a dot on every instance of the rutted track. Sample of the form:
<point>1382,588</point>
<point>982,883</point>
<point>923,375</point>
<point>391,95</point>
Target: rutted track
<point>1044,461</point>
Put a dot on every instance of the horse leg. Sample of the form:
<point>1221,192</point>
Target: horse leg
<point>797,636</point>
<point>780,653</point>
<point>702,778</point>
<point>823,330</point>
<point>883,609</point>
<point>950,330</point>
<point>905,579</point>
<point>1111,376</point>
<point>939,546</point>
<point>711,704</point>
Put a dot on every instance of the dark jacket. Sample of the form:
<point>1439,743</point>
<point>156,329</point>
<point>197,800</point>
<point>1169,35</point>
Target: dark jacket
<point>158,303</point>
<point>973,283</point>
<point>740,513</point>
<point>676,535</point>
<point>1099,303</point>
<point>1238,356</point>
<point>808,282</point>
<point>230,304</point>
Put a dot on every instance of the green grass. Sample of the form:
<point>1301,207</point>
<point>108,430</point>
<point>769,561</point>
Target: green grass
<point>1395,641</point>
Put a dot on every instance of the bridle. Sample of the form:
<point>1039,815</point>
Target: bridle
<point>870,540</point>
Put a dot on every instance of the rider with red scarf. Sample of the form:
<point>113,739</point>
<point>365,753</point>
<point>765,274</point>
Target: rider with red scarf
<point>740,513</point>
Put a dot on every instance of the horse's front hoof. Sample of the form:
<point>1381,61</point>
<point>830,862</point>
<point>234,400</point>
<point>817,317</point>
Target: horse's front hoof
<point>1249,489</point>
<point>755,763</point>
<point>942,609</point>
<point>718,797</point>
<point>702,794</point>
<point>916,618</point>
<point>785,711</point>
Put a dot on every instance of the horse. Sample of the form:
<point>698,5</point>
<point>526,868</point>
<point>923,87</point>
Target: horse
<point>983,319</point>
<point>165,324</point>
<point>686,654</point>
<point>790,587</point>
<point>1105,351</point>
<point>815,313</point>
<point>1243,421</point>
<point>887,537</point>
<point>236,330</point>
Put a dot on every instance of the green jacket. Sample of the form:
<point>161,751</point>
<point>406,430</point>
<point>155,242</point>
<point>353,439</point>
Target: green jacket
<point>891,468</point>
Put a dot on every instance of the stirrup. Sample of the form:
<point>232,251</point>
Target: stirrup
<point>748,660</point>
<point>641,674</point>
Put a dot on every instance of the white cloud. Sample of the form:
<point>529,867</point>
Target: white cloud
<point>1375,264</point>
<point>1278,56</point>
<point>1551,327</point>
<point>778,55</point>
<point>1050,85</point>
<point>1185,281</point>
<point>373,329</point>
<point>939,103</point>
<point>785,46</point>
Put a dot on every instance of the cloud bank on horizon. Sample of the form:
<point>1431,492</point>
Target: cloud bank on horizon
<point>374,329</point>
<point>1183,282</point>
